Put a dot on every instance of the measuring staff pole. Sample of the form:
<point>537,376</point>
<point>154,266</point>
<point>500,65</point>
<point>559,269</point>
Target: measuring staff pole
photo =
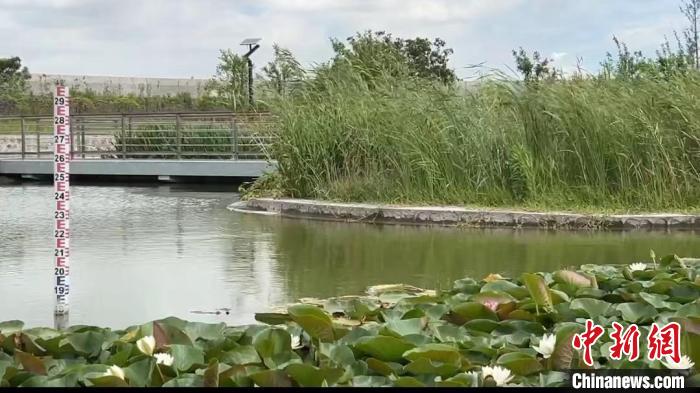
<point>61,200</point>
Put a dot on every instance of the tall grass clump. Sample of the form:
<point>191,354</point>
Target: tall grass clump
<point>368,131</point>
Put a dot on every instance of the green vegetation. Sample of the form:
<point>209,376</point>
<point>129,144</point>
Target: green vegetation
<point>519,329</point>
<point>368,127</point>
<point>357,132</point>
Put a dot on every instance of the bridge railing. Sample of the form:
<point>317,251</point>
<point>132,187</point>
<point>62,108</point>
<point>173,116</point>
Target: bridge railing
<point>220,135</point>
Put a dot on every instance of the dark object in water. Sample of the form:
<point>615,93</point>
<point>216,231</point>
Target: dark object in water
<point>218,311</point>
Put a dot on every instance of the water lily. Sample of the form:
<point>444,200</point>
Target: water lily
<point>296,342</point>
<point>499,374</point>
<point>684,364</point>
<point>491,304</point>
<point>146,345</point>
<point>164,359</point>
<point>493,277</point>
<point>638,267</point>
<point>546,345</point>
<point>474,377</point>
<point>115,371</point>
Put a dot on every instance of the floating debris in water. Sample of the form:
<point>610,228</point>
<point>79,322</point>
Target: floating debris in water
<point>218,311</point>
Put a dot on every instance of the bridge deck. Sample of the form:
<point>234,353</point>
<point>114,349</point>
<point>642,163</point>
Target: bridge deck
<point>135,167</point>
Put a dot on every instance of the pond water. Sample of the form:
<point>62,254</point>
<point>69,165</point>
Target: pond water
<point>145,252</point>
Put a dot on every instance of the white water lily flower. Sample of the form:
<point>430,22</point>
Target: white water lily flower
<point>115,371</point>
<point>638,267</point>
<point>296,342</point>
<point>474,377</point>
<point>164,359</point>
<point>546,345</point>
<point>499,374</point>
<point>146,345</point>
<point>684,364</point>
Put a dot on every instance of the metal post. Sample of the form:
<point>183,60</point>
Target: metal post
<point>38,144</point>
<point>123,137</point>
<point>82,140</point>
<point>250,82</point>
<point>234,128</point>
<point>130,133</point>
<point>23,130</point>
<point>177,136</point>
<point>234,145</point>
<point>72,146</point>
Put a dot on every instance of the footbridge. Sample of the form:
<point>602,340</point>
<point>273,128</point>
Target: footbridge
<point>212,144</point>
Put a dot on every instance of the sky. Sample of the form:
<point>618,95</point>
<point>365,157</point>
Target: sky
<point>182,38</point>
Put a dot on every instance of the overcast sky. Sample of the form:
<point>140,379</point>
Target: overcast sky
<point>182,38</point>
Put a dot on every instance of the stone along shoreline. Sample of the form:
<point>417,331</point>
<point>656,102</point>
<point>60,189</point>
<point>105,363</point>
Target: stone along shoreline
<point>461,216</point>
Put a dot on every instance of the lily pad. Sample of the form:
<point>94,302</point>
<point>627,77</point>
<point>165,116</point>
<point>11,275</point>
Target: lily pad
<point>186,356</point>
<point>637,312</point>
<point>306,375</point>
<point>539,292</point>
<point>313,320</point>
<point>520,363</point>
<point>591,308</point>
<point>571,278</point>
<point>465,312</point>
<point>386,348</point>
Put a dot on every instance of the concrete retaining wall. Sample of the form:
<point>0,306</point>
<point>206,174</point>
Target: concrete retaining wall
<point>43,84</point>
<point>13,143</point>
<point>458,216</point>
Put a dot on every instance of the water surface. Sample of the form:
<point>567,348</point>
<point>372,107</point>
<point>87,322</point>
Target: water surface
<point>145,252</point>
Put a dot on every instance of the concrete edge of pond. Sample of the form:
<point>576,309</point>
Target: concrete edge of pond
<point>460,216</point>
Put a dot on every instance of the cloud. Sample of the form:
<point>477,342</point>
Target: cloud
<point>42,3</point>
<point>556,56</point>
<point>182,38</point>
<point>651,35</point>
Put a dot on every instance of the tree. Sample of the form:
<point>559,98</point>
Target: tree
<point>13,77</point>
<point>380,52</point>
<point>283,69</point>
<point>691,10</point>
<point>426,59</point>
<point>670,63</point>
<point>230,82</point>
<point>631,65</point>
<point>626,65</point>
<point>534,69</point>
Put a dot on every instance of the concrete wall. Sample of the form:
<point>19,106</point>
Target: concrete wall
<point>43,83</point>
<point>13,144</point>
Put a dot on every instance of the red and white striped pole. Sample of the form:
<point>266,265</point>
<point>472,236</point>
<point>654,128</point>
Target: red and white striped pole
<point>61,188</point>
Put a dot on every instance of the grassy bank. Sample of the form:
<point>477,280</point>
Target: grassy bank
<point>480,332</point>
<point>584,144</point>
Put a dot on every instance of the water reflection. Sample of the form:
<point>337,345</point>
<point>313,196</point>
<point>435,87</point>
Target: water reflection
<point>142,253</point>
<point>356,255</point>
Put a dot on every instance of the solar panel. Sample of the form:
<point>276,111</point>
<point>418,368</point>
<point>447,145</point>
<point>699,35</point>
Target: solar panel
<point>251,41</point>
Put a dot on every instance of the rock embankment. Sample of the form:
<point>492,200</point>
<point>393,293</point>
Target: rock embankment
<point>461,216</point>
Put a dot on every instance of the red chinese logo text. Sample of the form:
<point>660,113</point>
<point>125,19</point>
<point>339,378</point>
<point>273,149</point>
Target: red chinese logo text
<point>661,341</point>
<point>665,341</point>
<point>586,340</point>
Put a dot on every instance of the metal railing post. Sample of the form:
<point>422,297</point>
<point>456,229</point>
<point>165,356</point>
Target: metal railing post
<point>124,136</point>
<point>23,141</point>
<point>234,129</point>
<point>177,136</point>
<point>72,145</point>
<point>82,140</point>
<point>38,144</point>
